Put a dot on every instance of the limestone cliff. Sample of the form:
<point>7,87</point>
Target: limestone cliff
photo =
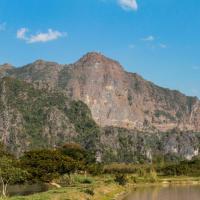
<point>116,97</point>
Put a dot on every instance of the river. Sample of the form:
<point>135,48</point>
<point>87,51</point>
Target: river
<point>165,193</point>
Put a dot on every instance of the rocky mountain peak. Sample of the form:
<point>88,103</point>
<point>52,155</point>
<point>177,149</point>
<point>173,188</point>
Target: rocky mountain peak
<point>42,64</point>
<point>114,96</point>
<point>6,66</point>
<point>93,59</point>
<point>4,69</point>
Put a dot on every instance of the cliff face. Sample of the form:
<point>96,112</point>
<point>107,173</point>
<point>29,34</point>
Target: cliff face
<point>121,99</point>
<point>31,118</point>
<point>116,97</point>
<point>116,114</point>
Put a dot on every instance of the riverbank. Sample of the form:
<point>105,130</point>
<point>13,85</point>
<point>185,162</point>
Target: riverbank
<point>103,188</point>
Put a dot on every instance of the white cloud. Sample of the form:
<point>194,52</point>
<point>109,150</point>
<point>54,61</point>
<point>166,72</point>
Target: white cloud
<point>39,37</point>
<point>128,4</point>
<point>163,46</point>
<point>45,37</point>
<point>149,38</point>
<point>3,26</point>
<point>21,34</point>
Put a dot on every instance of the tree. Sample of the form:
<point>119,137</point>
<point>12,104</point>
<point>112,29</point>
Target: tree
<point>4,152</point>
<point>74,150</point>
<point>46,165</point>
<point>10,174</point>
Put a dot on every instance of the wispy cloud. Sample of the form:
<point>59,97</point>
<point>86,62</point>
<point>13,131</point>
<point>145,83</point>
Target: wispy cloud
<point>21,33</point>
<point>40,36</point>
<point>3,26</point>
<point>162,45</point>
<point>149,38</point>
<point>128,4</point>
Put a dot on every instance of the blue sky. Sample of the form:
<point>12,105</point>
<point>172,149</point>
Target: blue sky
<point>159,39</point>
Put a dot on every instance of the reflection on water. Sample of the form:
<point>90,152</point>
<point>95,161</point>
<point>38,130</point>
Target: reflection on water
<point>166,193</point>
<point>26,189</point>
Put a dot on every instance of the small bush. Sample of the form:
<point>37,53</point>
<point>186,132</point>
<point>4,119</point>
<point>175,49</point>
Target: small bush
<point>119,168</point>
<point>83,179</point>
<point>89,191</point>
<point>95,169</point>
<point>121,179</point>
<point>86,181</point>
<point>153,176</point>
<point>134,179</point>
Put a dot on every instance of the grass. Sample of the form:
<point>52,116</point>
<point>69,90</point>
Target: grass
<point>102,187</point>
<point>83,188</point>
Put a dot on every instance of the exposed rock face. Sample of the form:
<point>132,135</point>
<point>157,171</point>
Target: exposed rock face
<point>4,69</point>
<point>123,145</point>
<point>135,117</point>
<point>116,97</point>
<point>32,118</point>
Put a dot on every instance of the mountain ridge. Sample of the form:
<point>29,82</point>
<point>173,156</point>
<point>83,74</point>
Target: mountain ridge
<point>118,115</point>
<point>114,96</point>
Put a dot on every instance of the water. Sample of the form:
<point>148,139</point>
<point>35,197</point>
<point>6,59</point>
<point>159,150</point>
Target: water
<point>26,189</point>
<point>166,193</point>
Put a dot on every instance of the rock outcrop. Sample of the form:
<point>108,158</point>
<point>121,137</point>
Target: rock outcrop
<point>116,97</point>
<point>116,114</point>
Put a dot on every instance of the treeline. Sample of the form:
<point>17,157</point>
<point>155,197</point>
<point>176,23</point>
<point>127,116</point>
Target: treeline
<point>47,165</point>
<point>43,165</point>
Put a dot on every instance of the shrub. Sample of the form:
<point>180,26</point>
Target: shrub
<point>121,179</point>
<point>83,179</point>
<point>95,169</point>
<point>89,191</point>
<point>119,168</point>
<point>46,165</point>
<point>153,176</point>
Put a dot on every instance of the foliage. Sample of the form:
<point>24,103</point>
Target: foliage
<point>186,168</point>
<point>80,115</point>
<point>89,191</point>
<point>159,113</point>
<point>4,152</point>
<point>10,174</point>
<point>74,150</point>
<point>121,179</point>
<point>83,179</point>
<point>119,168</point>
<point>95,168</point>
<point>45,165</point>
<point>33,104</point>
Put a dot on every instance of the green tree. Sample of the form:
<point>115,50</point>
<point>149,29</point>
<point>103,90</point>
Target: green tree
<point>89,132</point>
<point>74,150</point>
<point>46,165</point>
<point>10,174</point>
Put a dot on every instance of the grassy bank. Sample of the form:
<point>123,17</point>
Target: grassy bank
<point>83,188</point>
<point>102,188</point>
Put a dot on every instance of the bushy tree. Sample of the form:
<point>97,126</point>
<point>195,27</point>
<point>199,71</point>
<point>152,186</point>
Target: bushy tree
<point>74,150</point>
<point>89,132</point>
<point>45,165</point>
<point>10,174</point>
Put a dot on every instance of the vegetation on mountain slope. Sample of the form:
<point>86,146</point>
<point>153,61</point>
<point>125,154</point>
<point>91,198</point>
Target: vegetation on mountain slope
<point>40,118</point>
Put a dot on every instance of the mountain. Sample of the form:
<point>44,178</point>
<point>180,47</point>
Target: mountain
<point>31,118</point>
<point>114,96</point>
<point>116,114</point>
